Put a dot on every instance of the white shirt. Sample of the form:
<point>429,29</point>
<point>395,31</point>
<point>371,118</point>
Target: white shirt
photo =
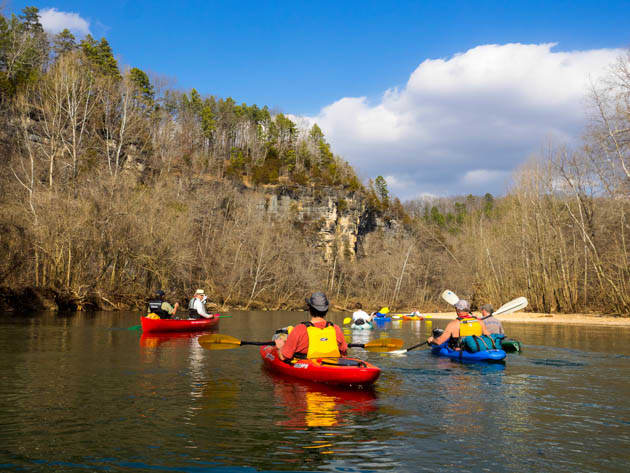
<point>360,315</point>
<point>200,307</point>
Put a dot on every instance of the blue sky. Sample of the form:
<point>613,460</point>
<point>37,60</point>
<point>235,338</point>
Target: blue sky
<point>301,57</point>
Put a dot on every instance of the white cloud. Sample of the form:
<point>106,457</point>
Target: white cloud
<point>55,21</point>
<point>485,177</point>
<point>460,125</point>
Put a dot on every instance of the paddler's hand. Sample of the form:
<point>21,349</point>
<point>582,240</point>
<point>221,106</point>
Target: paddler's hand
<point>430,340</point>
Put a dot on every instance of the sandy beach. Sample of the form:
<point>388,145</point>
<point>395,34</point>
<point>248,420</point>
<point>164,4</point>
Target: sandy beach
<point>565,319</point>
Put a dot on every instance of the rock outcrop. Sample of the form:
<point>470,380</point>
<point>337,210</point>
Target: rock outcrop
<point>340,219</point>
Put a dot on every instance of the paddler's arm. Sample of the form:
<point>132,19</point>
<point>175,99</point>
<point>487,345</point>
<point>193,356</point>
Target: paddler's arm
<point>448,333</point>
<point>341,341</point>
<point>287,347</point>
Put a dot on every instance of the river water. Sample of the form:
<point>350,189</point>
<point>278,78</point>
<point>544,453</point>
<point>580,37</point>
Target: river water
<point>81,392</point>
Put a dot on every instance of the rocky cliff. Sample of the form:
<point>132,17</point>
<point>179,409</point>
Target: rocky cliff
<point>340,219</point>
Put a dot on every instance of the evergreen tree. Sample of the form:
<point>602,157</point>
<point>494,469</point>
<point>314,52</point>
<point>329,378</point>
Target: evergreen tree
<point>64,42</point>
<point>381,189</point>
<point>107,60</point>
<point>100,55</point>
<point>141,80</point>
<point>208,123</point>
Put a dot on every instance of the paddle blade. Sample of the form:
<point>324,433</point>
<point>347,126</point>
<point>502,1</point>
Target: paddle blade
<point>384,344</point>
<point>218,341</point>
<point>347,320</point>
<point>450,297</point>
<point>517,304</point>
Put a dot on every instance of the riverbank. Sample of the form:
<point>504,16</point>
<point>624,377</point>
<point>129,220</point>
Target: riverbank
<point>563,319</point>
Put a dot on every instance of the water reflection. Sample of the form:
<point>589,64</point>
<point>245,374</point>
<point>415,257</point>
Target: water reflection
<point>317,405</point>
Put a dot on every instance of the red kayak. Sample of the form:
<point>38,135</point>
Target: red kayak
<point>174,325</point>
<point>342,371</point>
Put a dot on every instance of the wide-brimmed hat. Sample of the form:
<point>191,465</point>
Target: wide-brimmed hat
<point>200,291</point>
<point>462,305</point>
<point>318,301</point>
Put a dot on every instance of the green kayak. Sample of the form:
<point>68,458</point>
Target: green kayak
<point>511,346</point>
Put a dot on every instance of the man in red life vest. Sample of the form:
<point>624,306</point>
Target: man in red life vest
<point>465,324</point>
<point>317,338</point>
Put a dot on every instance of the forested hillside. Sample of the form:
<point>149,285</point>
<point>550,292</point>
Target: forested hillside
<point>113,185</point>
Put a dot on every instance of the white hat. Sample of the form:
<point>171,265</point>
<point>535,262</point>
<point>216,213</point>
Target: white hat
<point>199,291</point>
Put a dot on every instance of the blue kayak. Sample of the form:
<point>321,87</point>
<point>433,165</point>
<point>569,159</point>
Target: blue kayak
<point>382,318</point>
<point>463,355</point>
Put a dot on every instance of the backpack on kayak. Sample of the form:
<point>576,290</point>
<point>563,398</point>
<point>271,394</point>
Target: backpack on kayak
<point>474,343</point>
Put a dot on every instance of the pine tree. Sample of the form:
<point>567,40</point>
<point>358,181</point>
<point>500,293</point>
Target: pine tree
<point>142,82</point>
<point>64,42</point>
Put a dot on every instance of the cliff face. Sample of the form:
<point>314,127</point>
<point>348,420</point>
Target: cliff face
<point>340,219</point>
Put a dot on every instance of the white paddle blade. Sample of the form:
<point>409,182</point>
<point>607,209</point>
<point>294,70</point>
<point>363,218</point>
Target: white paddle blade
<point>397,352</point>
<point>450,297</point>
<point>512,306</point>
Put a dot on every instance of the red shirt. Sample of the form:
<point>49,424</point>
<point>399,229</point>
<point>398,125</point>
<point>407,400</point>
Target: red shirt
<point>297,341</point>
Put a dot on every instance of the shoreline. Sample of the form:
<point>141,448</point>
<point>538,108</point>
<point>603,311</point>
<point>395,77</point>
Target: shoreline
<point>543,318</point>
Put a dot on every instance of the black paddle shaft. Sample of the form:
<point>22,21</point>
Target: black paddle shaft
<point>416,346</point>
<point>260,344</point>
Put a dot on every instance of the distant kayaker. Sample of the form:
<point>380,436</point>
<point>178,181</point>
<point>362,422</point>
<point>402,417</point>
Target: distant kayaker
<point>360,317</point>
<point>491,322</point>
<point>465,324</point>
<point>160,307</point>
<point>197,306</point>
<point>317,338</point>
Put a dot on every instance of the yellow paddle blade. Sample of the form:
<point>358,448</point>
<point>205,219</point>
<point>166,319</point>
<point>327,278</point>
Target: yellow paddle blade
<point>384,344</point>
<point>218,341</point>
<point>384,310</point>
<point>347,320</point>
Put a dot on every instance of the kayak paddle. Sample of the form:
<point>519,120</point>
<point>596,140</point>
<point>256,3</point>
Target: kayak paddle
<point>217,341</point>
<point>380,345</point>
<point>512,306</point>
<point>405,350</point>
<point>450,297</point>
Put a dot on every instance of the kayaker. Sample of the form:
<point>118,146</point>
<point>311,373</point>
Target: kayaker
<point>360,317</point>
<point>465,324</point>
<point>160,307</point>
<point>316,338</point>
<point>491,322</point>
<point>197,306</point>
